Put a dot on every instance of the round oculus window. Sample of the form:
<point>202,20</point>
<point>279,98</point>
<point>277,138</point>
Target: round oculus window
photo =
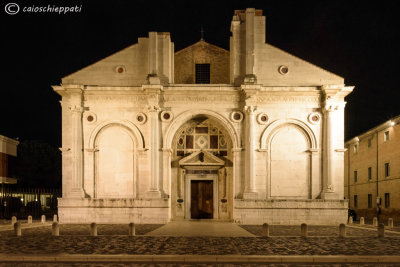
<point>283,69</point>
<point>166,116</point>
<point>141,118</point>
<point>314,118</point>
<point>236,116</point>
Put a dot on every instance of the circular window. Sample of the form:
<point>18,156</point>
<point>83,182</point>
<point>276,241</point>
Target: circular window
<point>90,118</point>
<point>120,69</point>
<point>314,118</point>
<point>141,118</point>
<point>283,69</point>
<point>166,116</point>
<point>236,116</point>
<point>262,118</point>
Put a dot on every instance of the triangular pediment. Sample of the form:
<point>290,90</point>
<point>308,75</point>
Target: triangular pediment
<point>201,158</point>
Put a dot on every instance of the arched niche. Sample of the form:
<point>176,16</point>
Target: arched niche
<point>289,145</point>
<point>114,146</point>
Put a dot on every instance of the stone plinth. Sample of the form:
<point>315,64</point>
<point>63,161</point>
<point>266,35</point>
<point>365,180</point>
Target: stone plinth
<point>291,212</point>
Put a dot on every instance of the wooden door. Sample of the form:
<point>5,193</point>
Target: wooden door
<point>201,199</point>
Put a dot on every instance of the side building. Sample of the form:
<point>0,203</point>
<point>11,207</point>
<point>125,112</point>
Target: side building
<point>372,171</point>
<point>8,154</point>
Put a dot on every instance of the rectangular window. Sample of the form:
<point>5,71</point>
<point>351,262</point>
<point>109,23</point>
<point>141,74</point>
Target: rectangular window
<point>202,73</point>
<point>387,200</point>
<point>387,169</point>
<point>370,142</point>
<point>369,173</point>
<point>386,136</point>
<point>213,141</point>
<point>369,201</point>
<point>355,201</point>
<point>355,149</point>
<point>189,141</point>
<point>355,176</point>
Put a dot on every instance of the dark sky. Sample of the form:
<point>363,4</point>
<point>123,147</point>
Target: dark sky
<point>355,40</point>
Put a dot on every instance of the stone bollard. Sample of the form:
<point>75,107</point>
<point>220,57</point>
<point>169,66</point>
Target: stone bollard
<point>13,220</point>
<point>361,220</point>
<point>55,229</point>
<point>93,229</point>
<point>43,218</point>
<point>265,230</point>
<point>350,220</point>
<point>304,230</point>
<point>375,222</point>
<point>342,230</point>
<point>29,219</point>
<point>390,223</point>
<point>131,229</point>
<point>381,230</point>
<point>55,219</point>
<point>17,229</point>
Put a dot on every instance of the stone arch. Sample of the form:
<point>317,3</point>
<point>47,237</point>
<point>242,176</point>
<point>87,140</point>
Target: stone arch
<point>135,132</point>
<point>269,131</point>
<point>187,115</point>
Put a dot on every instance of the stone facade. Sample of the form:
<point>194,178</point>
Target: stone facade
<point>262,142</point>
<point>372,169</point>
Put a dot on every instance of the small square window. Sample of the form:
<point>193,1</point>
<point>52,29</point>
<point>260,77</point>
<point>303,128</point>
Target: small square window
<point>369,173</point>
<point>355,176</point>
<point>202,73</point>
<point>369,201</point>
<point>386,136</point>
<point>387,169</point>
<point>387,200</point>
<point>355,201</point>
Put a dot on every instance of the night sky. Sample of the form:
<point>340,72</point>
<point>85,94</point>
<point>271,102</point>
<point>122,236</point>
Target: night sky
<point>355,40</point>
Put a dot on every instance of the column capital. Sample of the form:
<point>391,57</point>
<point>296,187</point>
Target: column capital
<point>76,109</point>
<point>153,108</point>
<point>250,109</point>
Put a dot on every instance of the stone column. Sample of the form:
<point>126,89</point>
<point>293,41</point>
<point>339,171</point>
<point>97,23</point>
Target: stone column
<point>328,150</point>
<point>250,190</point>
<point>77,152</point>
<point>166,182</point>
<point>236,177</point>
<point>154,191</point>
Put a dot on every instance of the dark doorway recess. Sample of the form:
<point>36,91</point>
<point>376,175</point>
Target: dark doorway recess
<point>201,199</point>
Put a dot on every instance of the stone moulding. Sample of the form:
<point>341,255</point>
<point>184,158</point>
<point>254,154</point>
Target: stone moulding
<point>113,203</point>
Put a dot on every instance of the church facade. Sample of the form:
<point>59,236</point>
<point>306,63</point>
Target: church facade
<point>250,135</point>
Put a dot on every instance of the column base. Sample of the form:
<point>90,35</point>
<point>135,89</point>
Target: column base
<point>250,195</point>
<point>329,195</point>
<point>76,193</point>
<point>153,194</point>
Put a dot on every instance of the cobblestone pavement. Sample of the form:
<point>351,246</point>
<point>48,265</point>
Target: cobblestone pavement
<point>313,230</point>
<point>113,240</point>
<point>198,264</point>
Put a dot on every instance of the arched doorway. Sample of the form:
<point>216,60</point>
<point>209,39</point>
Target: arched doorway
<point>201,169</point>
